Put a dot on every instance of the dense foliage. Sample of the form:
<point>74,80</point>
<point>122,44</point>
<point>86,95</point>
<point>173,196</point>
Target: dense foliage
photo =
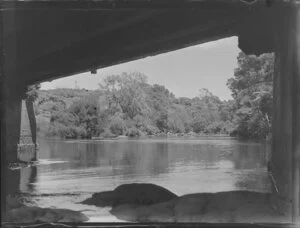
<point>127,104</point>
<point>31,93</point>
<point>252,90</point>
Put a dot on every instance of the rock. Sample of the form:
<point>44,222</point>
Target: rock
<point>101,199</point>
<point>13,202</point>
<point>214,217</point>
<point>221,207</point>
<point>70,215</point>
<point>189,205</point>
<point>161,212</point>
<point>136,193</point>
<point>27,214</point>
<point>142,194</point>
<point>259,213</point>
<point>127,212</point>
<point>228,201</point>
<point>281,205</point>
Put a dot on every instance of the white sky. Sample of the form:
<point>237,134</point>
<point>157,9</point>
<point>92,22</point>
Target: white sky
<point>183,72</point>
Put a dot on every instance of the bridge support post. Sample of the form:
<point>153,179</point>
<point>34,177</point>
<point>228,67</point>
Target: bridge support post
<point>27,147</point>
<point>12,90</point>
<point>10,134</point>
<point>11,124</point>
<point>286,119</point>
<point>32,120</point>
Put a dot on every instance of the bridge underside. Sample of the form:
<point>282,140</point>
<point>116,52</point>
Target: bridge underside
<point>45,40</point>
<point>55,39</point>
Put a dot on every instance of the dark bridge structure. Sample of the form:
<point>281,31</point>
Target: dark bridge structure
<point>46,40</point>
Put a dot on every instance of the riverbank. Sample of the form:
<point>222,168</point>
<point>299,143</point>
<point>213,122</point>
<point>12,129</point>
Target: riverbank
<point>170,135</point>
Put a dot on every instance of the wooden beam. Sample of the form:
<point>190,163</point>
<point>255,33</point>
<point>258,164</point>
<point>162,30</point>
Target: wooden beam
<point>157,33</point>
<point>286,121</point>
<point>121,5</point>
<point>56,32</point>
<point>296,120</point>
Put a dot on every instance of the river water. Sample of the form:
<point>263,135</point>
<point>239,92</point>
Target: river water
<point>70,171</point>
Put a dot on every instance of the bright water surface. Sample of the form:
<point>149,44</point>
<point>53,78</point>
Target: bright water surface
<point>70,171</point>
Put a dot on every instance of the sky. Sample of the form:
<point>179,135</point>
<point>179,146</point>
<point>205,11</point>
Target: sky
<point>183,72</point>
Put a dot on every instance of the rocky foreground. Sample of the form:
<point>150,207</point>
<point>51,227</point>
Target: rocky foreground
<point>17,212</point>
<point>152,203</point>
<point>222,207</point>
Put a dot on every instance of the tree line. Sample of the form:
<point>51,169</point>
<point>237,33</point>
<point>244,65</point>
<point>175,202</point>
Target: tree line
<point>126,104</point>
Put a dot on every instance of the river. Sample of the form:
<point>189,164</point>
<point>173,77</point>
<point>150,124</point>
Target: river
<point>70,171</point>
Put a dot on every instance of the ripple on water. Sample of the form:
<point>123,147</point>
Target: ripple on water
<point>49,161</point>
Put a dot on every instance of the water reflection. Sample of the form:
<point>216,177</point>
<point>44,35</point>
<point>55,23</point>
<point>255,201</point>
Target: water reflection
<point>250,157</point>
<point>183,166</point>
<point>12,181</point>
<point>28,179</point>
<point>70,171</point>
<point>21,180</point>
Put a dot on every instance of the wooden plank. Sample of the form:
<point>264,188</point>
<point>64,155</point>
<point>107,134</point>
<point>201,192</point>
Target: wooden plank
<point>296,119</point>
<point>286,122</point>
<point>107,5</point>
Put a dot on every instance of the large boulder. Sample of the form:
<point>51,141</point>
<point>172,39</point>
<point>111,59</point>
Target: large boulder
<point>136,193</point>
<point>26,214</point>
<point>229,207</point>
<point>160,212</point>
<point>18,212</point>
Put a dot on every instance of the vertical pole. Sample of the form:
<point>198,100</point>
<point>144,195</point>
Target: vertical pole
<point>286,119</point>
<point>32,122</point>
<point>286,125</point>
<point>3,157</point>
<point>11,93</point>
<point>282,125</point>
<point>12,124</point>
<point>296,121</point>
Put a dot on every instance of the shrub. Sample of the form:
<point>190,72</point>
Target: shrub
<point>214,128</point>
<point>198,125</point>
<point>80,132</point>
<point>107,133</point>
<point>62,131</point>
<point>117,125</point>
<point>133,132</point>
<point>149,129</point>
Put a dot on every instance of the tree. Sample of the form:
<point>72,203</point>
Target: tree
<point>127,104</point>
<point>179,119</point>
<point>31,93</point>
<point>251,88</point>
<point>205,110</point>
<point>127,92</point>
<point>85,111</point>
<point>160,100</point>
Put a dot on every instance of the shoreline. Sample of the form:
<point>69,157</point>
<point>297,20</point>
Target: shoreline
<point>123,137</point>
